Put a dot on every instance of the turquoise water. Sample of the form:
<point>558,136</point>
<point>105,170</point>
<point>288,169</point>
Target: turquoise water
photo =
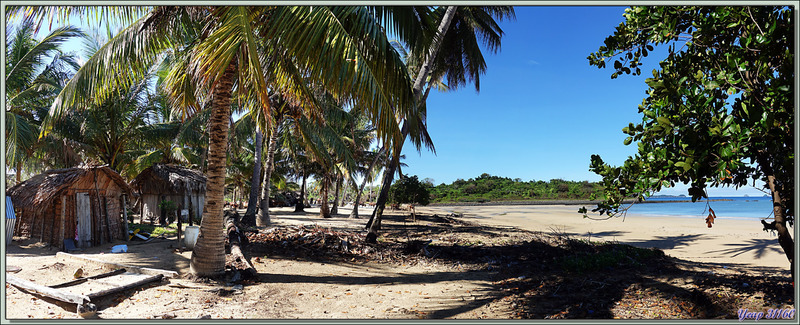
<point>731,207</point>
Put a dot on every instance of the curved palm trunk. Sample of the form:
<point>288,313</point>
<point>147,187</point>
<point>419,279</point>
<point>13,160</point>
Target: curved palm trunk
<point>300,206</point>
<point>255,184</point>
<point>335,208</point>
<point>263,214</point>
<point>208,255</point>
<point>354,213</point>
<point>375,221</point>
<point>324,211</point>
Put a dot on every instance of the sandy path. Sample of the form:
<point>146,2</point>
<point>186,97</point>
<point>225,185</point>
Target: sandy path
<point>729,241</point>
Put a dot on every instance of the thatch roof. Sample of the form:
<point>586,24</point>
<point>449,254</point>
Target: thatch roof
<point>41,190</point>
<point>169,179</point>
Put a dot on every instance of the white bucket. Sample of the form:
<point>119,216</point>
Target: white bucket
<point>191,233</point>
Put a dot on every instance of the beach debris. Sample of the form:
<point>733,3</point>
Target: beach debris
<point>78,273</point>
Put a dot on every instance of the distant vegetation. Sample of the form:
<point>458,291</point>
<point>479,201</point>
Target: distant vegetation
<point>487,188</point>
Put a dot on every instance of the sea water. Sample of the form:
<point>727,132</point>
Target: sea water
<point>724,207</point>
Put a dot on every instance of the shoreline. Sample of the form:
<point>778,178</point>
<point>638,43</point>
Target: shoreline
<point>555,202</point>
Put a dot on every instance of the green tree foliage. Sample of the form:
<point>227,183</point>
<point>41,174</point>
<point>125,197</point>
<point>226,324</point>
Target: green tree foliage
<point>409,189</point>
<point>719,110</point>
<point>487,188</point>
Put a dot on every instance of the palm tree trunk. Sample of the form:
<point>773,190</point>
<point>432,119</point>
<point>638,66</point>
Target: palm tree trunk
<point>301,205</point>
<point>354,213</point>
<point>422,76</point>
<point>374,223</point>
<point>255,183</point>
<point>324,211</point>
<point>425,69</point>
<point>335,208</point>
<point>19,172</point>
<point>208,255</point>
<point>263,215</point>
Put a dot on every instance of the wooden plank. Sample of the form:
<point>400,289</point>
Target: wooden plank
<point>47,291</point>
<point>112,266</point>
<point>82,280</point>
<point>148,279</point>
<point>83,219</point>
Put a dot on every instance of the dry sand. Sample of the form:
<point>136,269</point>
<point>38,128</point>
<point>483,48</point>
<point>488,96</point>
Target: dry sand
<point>730,241</point>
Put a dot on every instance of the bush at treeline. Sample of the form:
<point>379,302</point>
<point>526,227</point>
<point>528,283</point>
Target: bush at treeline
<point>487,188</point>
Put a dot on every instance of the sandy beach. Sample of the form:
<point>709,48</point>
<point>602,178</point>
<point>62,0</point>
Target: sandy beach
<point>464,279</point>
<point>729,242</point>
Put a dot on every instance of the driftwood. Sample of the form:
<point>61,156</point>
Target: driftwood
<point>235,238</point>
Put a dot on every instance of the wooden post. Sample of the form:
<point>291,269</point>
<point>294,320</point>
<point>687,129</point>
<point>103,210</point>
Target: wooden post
<point>63,217</point>
<point>99,209</point>
<point>108,220</point>
<point>53,225</point>
<point>191,210</point>
<point>125,216</point>
<point>180,225</point>
<point>41,234</point>
<point>141,208</point>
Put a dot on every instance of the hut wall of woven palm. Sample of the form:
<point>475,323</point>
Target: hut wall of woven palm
<point>40,191</point>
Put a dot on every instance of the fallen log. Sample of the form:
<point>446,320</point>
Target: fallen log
<point>145,279</point>
<point>240,262</point>
<point>47,291</point>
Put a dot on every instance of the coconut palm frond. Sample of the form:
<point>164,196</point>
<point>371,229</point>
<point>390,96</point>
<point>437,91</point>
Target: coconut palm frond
<point>123,61</point>
<point>331,38</point>
<point>26,57</point>
<point>41,15</point>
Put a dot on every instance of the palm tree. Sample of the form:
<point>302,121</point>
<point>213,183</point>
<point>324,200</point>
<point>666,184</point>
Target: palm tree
<point>344,49</point>
<point>454,54</point>
<point>31,85</point>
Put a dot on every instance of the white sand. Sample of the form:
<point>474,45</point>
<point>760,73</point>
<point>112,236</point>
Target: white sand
<point>728,242</point>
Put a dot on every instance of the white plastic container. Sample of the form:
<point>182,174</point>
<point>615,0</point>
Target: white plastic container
<point>191,233</point>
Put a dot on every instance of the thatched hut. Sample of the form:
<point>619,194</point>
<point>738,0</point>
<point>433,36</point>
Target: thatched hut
<point>185,187</point>
<point>81,203</point>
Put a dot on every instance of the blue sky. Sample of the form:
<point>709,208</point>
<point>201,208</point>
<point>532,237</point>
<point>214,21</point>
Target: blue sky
<point>542,110</point>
